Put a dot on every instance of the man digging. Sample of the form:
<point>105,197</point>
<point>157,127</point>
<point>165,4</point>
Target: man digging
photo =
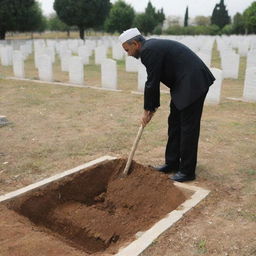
<point>189,79</point>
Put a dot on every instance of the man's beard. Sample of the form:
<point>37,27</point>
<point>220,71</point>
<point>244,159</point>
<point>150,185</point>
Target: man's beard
<point>137,54</point>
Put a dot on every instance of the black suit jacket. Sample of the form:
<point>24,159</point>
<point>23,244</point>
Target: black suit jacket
<point>176,66</point>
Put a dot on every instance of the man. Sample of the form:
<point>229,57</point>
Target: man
<point>188,78</point>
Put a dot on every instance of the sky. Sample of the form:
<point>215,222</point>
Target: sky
<point>175,7</point>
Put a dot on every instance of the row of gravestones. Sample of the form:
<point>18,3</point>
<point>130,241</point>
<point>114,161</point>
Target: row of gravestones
<point>243,44</point>
<point>230,60</point>
<point>45,57</point>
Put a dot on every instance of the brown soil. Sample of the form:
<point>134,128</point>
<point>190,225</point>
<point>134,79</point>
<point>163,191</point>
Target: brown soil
<point>92,212</point>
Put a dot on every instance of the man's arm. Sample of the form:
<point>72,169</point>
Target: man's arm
<point>152,60</point>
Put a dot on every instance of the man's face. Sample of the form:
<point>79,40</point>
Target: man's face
<point>132,49</point>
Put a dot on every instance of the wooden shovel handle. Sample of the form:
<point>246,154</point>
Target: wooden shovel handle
<point>135,144</point>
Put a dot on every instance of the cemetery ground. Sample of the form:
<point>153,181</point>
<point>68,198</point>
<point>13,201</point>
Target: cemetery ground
<point>54,128</point>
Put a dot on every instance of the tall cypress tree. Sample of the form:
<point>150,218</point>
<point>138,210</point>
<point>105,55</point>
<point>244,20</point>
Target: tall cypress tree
<point>220,15</point>
<point>186,18</point>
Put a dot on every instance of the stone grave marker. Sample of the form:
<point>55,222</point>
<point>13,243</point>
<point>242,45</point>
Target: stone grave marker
<point>84,54</point>
<point>131,64</point>
<point>73,45</point>
<point>251,59</point>
<point>230,65</point>
<point>65,59</point>
<point>243,47</point>
<point>249,93</point>
<point>100,54</point>
<point>76,70</point>
<point>214,93</point>
<point>109,74</point>
<point>142,77</point>
<point>206,58</point>
<point>45,68</point>
<point>18,64</point>
<point>117,51</point>
<point>6,55</point>
<point>51,52</point>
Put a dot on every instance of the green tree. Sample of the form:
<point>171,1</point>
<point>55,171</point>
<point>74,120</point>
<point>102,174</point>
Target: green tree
<point>228,29</point>
<point>238,24</point>
<point>55,24</point>
<point>220,15</point>
<point>121,17</point>
<point>202,20</point>
<point>160,17</point>
<point>144,23</point>
<point>250,18</point>
<point>84,14</point>
<point>33,21</point>
<point>149,20</point>
<point>20,15</point>
<point>186,18</point>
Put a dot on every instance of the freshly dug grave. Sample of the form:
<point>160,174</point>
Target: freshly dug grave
<point>95,210</point>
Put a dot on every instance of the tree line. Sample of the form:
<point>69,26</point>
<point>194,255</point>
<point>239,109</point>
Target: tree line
<point>102,15</point>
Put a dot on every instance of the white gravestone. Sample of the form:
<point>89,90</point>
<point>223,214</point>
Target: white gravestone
<point>249,93</point>
<point>117,52</point>
<point>39,51</point>
<point>90,46</point>
<point>251,59</point>
<point>109,74</point>
<point>64,60</point>
<point>73,45</point>
<point>142,77</point>
<point>214,93</point>
<point>243,47</point>
<point>230,65</point>
<point>84,54</point>
<point>100,54</point>
<point>131,64</point>
<point>45,68</point>
<point>206,58</point>
<point>76,70</point>
<point>51,52</point>
<point>25,51</point>
<point>62,47</point>
<point>6,55</point>
<point>18,64</point>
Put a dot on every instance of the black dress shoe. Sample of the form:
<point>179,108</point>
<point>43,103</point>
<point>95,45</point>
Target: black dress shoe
<point>165,168</point>
<point>180,177</point>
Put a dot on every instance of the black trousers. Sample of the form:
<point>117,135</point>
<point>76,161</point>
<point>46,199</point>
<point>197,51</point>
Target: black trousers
<point>183,136</point>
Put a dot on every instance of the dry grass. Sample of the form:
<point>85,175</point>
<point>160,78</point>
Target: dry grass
<point>54,128</point>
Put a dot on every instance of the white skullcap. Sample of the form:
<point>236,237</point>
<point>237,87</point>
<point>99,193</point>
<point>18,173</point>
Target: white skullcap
<point>129,34</point>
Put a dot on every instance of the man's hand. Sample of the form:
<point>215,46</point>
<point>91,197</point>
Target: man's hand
<point>146,117</point>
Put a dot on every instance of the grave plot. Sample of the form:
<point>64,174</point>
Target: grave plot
<point>92,211</point>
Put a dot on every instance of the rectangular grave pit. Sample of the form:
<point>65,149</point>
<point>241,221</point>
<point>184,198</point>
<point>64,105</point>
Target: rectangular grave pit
<point>81,208</point>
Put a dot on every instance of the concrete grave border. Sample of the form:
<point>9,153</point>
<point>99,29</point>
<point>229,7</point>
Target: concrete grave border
<point>240,99</point>
<point>144,238</point>
<point>148,237</point>
<point>62,84</point>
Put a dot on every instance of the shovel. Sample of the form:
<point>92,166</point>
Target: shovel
<point>135,144</point>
